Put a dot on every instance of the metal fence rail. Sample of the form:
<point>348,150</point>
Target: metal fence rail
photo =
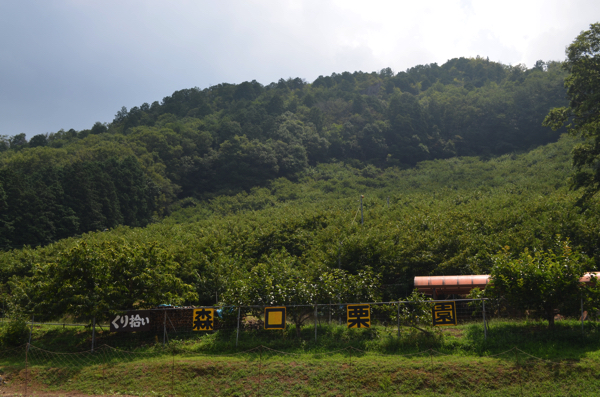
<point>173,322</point>
<point>234,321</point>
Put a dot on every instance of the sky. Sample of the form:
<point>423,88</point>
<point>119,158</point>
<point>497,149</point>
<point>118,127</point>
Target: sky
<point>69,63</point>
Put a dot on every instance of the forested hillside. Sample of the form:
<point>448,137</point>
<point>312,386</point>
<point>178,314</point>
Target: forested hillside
<point>297,242</point>
<point>242,146</point>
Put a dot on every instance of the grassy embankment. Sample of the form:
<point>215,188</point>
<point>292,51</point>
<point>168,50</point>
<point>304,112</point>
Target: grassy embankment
<point>452,361</point>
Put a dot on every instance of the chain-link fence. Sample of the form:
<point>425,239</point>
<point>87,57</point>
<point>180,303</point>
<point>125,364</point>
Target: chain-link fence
<point>173,337</point>
<point>31,370</point>
<point>232,324</point>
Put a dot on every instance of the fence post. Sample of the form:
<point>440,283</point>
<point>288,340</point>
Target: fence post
<point>398,318</point>
<point>26,378</point>
<point>259,369</point>
<point>165,329</point>
<point>432,373</point>
<point>103,352</point>
<point>237,336</point>
<point>582,331</point>
<point>350,349</point>
<point>30,331</point>
<point>518,369</point>
<point>484,324</point>
<point>93,332</point>
<point>172,370</point>
<point>315,323</point>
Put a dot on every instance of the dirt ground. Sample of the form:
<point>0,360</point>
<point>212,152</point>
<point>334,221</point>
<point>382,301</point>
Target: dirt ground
<point>18,389</point>
<point>7,390</point>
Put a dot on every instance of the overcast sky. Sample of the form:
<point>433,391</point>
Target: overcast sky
<point>69,63</point>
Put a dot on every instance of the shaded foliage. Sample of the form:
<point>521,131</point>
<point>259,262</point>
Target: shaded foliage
<point>447,216</point>
<point>45,202</point>
<point>258,189</point>
<point>582,116</point>
<point>229,138</point>
<point>538,280</point>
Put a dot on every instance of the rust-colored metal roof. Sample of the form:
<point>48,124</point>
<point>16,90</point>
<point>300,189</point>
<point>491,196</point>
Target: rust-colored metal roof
<point>464,284</point>
<point>588,277</point>
<point>451,284</point>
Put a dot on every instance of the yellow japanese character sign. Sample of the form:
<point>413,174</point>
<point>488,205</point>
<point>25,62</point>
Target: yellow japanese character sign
<point>444,313</point>
<point>274,317</point>
<point>358,316</point>
<point>204,319</point>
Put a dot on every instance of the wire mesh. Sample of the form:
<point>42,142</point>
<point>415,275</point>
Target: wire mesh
<point>173,342</point>
<point>515,372</point>
<point>387,318</point>
<point>233,325</point>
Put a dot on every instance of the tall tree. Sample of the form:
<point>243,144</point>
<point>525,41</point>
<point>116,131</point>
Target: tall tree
<point>582,116</point>
<point>95,280</point>
<point>538,280</point>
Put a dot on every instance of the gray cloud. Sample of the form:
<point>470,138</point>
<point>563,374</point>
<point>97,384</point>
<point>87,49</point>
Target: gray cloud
<point>69,63</point>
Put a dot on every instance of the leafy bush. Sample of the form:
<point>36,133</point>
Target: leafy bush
<point>15,331</point>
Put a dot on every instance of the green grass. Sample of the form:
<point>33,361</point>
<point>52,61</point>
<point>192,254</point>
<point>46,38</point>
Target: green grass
<point>340,374</point>
<point>565,341</point>
<point>451,361</point>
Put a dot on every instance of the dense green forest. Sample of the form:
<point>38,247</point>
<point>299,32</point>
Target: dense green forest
<point>447,216</point>
<point>249,194</point>
<point>230,138</point>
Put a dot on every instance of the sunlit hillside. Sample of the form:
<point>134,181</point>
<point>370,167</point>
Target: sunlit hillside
<point>445,216</point>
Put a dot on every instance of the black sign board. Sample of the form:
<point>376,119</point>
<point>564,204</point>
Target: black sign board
<point>275,317</point>
<point>131,321</point>
<point>203,319</point>
<point>358,316</point>
<point>444,313</point>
